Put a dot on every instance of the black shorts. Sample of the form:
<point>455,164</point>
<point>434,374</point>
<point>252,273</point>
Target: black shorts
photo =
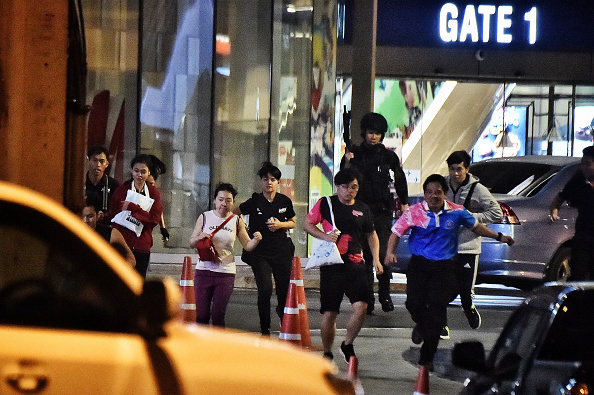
<point>339,280</point>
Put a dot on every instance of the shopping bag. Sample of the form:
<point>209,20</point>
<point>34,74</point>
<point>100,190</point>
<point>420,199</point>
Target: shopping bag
<point>323,253</point>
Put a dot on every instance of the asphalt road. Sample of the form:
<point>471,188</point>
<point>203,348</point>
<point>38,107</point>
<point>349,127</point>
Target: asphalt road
<point>387,357</point>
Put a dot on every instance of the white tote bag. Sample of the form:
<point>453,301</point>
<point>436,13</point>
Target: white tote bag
<point>324,253</point>
<point>125,217</point>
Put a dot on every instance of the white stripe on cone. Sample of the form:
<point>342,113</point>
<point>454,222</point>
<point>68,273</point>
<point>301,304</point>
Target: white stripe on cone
<point>291,310</point>
<point>289,336</point>
<point>186,283</point>
<point>188,306</point>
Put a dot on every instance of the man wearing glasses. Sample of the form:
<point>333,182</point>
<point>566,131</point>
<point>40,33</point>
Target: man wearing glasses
<point>354,228</point>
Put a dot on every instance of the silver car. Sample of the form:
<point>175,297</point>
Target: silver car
<point>524,187</point>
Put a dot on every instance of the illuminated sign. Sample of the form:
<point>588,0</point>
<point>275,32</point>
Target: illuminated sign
<point>456,27</point>
<point>526,25</point>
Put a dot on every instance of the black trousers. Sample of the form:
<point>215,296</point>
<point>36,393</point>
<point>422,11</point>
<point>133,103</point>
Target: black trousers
<point>466,268</point>
<point>265,268</point>
<point>383,227</point>
<point>581,262</point>
<point>429,286</point>
<point>142,261</point>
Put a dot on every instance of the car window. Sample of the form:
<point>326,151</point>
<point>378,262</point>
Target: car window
<point>571,337</point>
<point>518,336</point>
<point>513,178</point>
<point>50,278</point>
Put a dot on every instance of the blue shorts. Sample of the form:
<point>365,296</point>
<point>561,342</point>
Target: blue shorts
<point>339,280</point>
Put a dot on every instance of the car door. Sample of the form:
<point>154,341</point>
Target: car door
<point>513,353</point>
<point>68,323</point>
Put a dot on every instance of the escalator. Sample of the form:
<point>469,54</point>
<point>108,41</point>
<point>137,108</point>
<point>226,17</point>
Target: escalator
<point>453,121</point>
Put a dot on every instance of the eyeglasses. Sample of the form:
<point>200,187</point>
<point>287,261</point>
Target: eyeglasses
<point>351,187</point>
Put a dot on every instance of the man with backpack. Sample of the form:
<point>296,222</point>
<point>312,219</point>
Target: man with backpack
<point>465,189</point>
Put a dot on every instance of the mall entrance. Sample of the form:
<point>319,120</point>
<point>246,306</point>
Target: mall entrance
<point>430,119</point>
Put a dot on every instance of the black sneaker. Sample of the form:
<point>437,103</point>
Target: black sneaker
<point>387,305</point>
<point>445,333</point>
<point>416,337</point>
<point>329,355</point>
<point>347,351</point>
<point>473,317</point>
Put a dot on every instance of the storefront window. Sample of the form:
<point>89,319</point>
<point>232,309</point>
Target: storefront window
<point>261,96</point>
<point>111,30</point>
<point>175,107</point>
<point>242,93</point>
<point>290,105</point>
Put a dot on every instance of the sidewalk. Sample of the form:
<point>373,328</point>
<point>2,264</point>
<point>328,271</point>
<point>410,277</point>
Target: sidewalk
<point>171,265</point>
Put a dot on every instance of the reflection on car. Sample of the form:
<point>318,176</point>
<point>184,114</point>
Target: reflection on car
<point>524,187</point>
<point>546,347</point>
<point>75,318</point>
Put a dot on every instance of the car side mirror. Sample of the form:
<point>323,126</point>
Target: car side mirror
<point>470,356</point>
<point>159,303</point>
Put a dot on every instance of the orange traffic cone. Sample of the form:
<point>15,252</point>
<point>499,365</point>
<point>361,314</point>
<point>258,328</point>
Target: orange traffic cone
<point>297,279</point>
<point>422,381</point>
<point>352,369</point>
<point>353,375</point>
<point>290,328</point>
<point>186,285</point>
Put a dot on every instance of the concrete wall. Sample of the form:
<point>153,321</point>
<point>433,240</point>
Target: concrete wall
<point>33,93</point>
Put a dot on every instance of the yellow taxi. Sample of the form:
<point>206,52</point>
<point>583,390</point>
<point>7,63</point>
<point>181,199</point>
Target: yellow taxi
<point>75,318</point>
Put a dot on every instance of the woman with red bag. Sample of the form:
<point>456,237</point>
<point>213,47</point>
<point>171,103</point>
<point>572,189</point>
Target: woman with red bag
<point>214,279</point>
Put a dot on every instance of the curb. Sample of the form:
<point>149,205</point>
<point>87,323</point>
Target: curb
<point>162,265</point>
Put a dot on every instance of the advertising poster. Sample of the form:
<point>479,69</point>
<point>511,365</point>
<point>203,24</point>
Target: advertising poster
<point>323,92</point>
<point>497,141</point>
<point>402,103</point>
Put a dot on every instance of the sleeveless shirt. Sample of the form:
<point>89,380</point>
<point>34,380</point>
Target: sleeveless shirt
<point>223,242</point>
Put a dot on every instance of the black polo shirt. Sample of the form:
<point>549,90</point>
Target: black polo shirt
<point>259,210</point>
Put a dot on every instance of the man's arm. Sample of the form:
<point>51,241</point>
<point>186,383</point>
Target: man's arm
<point>482,230</point>
<point>374,246</point>
<point>554,208</point>
<point>400,183</point>
<point>313,230</point>
<point>490,209</point>
<point>393,242</point>
<point>118,242</point>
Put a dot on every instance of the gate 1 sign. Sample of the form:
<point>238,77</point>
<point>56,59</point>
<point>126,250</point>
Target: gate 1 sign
<point>524,25</point>
<point>456,27</point>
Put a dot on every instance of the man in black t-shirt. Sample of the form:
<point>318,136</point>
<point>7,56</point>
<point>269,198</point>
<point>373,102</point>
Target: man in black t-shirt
<point>272,214</point>
<point>98,183</point>
<point>579,191</point>
<point>354,229</point>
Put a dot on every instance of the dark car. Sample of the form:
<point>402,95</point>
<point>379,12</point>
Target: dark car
<point>524,187</point>
<point>546,347</point>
